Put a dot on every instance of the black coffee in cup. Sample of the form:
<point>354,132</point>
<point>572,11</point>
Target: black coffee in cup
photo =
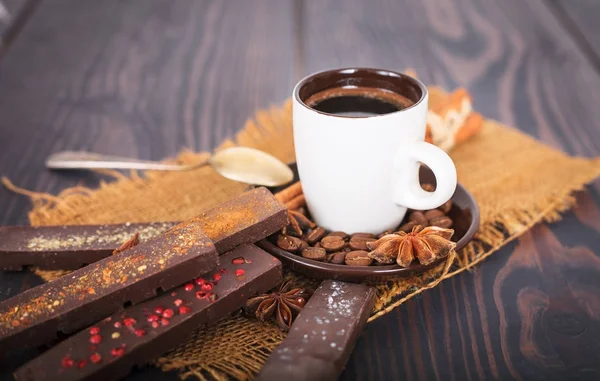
<point>367,124</point>
<point>358,102</point>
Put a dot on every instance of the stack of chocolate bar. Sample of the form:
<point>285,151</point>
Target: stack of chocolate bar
<point>196,288</point>
<point>125,309</point>
<point>111,347</point>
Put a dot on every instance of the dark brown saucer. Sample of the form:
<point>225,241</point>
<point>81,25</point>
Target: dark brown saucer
<point>464,213</point>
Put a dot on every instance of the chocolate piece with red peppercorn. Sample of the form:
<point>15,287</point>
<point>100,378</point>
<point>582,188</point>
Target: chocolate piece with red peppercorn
<point>86,295</point>
<point>71,302</point>
<point>141,341</point>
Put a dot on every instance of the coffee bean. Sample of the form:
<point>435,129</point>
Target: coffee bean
<point>338,234</point>
<point>442,222</point>
<point>313,253</point>
<point>360,243</point>
<point>418,218</point>
<point>317,245</point>
<point>315,235</point>
<point>433,213</point>
<point>363,235</point>
<point>332,243</point>
<point>337,258</point>
<point>446,207</point>
<point>358,258</point>
<point>428,187</point>
<point>303,245</point>
<point>288,243</point>
<point>407,227</point>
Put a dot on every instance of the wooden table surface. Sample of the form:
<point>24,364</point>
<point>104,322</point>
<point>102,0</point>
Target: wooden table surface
<point>147,78</point>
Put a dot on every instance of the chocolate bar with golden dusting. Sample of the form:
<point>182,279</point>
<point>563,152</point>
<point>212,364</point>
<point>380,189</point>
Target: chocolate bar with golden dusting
<point>109,349</point>
<point>68,247</point>
<point>71,302</point>
<point>101,288</point>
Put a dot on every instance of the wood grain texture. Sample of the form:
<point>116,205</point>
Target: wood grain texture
<point>9,12</point>
<point>146,78</point>
<point>529,315</point>
<point>142,79</point>
<point>511,320</point>
<point>14,15</point>
<point>135,78</point>
<point>521,66</point>
<point>580,17</point>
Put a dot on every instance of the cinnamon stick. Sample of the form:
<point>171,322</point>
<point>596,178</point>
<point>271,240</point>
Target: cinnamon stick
<point>296,202</point>
<point>289,193</point>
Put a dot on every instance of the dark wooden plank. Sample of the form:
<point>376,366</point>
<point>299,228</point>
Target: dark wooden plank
<point>112,87</point>
<point>580,17</point>
<point>14,14</point>
<point>135,78</point>
<point>141,79</point>
<point>9,11</point>
<point>529,315</point>
<point>520,315</point>
<point>514,57</point>
<point>5,15</point>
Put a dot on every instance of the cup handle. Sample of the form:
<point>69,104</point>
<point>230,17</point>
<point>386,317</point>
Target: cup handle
<point>408,191</point>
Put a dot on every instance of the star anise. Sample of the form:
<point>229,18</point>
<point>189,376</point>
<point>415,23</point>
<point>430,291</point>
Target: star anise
<point>426,245</point>
<point>298,222</point>
<point>284,305</point>
<point>131,242</point>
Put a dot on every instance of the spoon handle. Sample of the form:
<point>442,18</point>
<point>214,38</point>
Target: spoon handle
<point>90,160</point>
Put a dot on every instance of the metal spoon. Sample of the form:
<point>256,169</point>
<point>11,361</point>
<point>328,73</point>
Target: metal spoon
<point>243,164</point>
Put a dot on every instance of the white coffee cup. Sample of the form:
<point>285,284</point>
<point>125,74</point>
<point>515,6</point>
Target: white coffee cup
<point>361,173</point>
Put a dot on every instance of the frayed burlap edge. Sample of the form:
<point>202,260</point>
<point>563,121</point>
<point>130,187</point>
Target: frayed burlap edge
<point>489,239</point>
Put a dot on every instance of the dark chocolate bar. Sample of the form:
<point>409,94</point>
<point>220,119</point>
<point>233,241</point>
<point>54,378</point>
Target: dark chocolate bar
<point>247,218</point>
<point>67,304</point>
<point>69,247</point>
<point>108,350</point>
<point>95,291</point>
<point>323,335</point>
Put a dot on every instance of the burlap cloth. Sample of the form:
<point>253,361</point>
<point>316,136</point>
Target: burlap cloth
<point>516,181</point>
